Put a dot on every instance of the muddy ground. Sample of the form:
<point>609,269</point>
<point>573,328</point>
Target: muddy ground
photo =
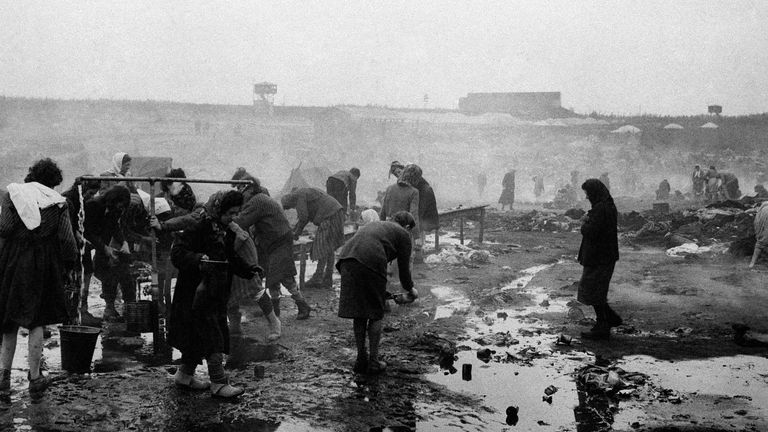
<point>677,334</point>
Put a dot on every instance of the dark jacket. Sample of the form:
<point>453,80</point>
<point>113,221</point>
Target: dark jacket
<point>311,204</point>
<point>599,242</point>
<point>100,228</point>
<point>267,219</point>
<point>376,244</point>
<point>428,218</point>
<point>351,183</point>
<point>400,196</point>
<point>200,328</point>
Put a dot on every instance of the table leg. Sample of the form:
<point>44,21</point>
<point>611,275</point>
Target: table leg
<point>461,230</point>
<point>482,224</point>
<point>302,266</point>
<point>437,239</point>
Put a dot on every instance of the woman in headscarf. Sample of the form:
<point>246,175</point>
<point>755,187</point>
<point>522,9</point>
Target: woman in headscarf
<point>39,250</point>
<point>508,190</point>
<point>427,217</point>
<point>180,194</point>
<point>206,258</point>
<point>121,166</point>
<point>598,254</point>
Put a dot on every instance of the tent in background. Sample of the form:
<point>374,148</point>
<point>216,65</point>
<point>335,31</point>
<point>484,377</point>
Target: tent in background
<point>709,125</point>
<point>673,126</point>
<point>306,177</point>
<point>627,129</point>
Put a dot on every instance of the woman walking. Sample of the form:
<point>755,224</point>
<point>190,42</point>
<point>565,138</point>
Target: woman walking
<point>598,254</point>
<point>39,250</point>
<point>206,259</point>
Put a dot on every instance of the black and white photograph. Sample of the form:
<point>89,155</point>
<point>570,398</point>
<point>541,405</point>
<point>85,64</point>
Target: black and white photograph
<point>383,216</point>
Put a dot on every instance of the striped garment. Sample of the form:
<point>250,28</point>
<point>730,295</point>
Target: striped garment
<point>329,236</point>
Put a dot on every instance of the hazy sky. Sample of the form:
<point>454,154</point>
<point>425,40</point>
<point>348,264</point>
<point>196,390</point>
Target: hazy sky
<point>666,57</point>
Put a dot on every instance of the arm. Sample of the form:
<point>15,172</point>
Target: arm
<point>91,225</point>
<point>303,214</point>
<point>182,222</point>
<point>352,192</point>
<point>594,222</point>
<point>68,244</point>
<point>404,261</point>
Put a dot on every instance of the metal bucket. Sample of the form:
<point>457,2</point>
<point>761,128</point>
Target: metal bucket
<point>140,316</point>
<point>77,346</point>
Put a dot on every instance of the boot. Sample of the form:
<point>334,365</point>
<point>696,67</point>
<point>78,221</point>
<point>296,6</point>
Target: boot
<point>601,330</point>
<point>275,327</point>
<point>225,390</point>
<point>5,380</point>
<point>276,306</point>
<point>614,320</point>
<point>189,381</point>
<point>110,313</point>
<point>304,308</point>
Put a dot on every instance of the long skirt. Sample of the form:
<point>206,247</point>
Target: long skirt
<point>329,236</point>
<point>31,283</point>
<point>507,196</point>
<point>593,286</point>
<point>277,261</point>
<point>363,291</point>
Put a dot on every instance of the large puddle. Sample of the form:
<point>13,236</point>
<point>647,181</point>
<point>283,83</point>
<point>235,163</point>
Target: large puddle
<point>519,374</point>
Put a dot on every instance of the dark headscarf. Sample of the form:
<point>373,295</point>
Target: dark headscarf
<point>596,191</point>
<point>411,175</point>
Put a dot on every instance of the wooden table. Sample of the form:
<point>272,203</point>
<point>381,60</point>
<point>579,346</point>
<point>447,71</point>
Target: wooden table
<point>461,213</point>
<point>303,245</point>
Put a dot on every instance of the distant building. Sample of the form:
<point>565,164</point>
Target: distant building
<point>715,109</point>
<point>526,104</point>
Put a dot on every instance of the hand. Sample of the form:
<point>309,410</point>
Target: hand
<point>110,252</point>
<point>257,271</point>
<point>154,222</point>
<point>204,266</point>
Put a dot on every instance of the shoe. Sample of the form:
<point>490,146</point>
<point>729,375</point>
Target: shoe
<point>189,381</point>
<point>614,320</point>
<point>87,319</point>
<point>38,385</point>
<point>376,367</point>
<point>5,380</point>
<point>110,314</point>
<point>597,334</point>
<point>275,328</point>
<point>303,306</point>
<point>361,366</point>
<point>226,391</point>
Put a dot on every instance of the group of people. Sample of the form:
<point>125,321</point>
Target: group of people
<point>713,185</point>
<point>51,245</point>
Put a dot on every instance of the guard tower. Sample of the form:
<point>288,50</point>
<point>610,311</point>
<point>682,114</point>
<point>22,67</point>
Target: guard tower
<point>264,97</point>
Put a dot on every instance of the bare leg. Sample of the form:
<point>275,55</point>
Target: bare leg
<point>8,349</point>
<point>35,351</point>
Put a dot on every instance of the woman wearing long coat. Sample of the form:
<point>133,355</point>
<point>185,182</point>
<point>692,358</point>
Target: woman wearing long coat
<point>205,256</point>
<point>598,254</point>
<point>508,190</point>
<point>39,250</point>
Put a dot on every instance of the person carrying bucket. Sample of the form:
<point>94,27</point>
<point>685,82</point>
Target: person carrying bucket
<point>39,249</point>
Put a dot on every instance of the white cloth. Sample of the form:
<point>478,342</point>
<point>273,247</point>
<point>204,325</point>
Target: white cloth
<point>161,204</point>
<point>117,163</point>
<point>30,198</point>
<point>368,216</point>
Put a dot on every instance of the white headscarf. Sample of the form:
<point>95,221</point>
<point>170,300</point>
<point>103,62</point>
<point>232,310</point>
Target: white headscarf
<point>117,163</point>
<point>30,198</point>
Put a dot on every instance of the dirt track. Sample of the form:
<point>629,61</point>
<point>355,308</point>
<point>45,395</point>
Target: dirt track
<point>678,315</point>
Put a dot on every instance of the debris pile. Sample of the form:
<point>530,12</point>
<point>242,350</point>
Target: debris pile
<point>459,254</point>
<point>721,227</point>
<point>535,220</point>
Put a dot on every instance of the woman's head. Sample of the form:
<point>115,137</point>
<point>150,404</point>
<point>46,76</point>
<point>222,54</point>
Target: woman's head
<point>596,191</point>
<point>396,168</point>
<point>404,219</point>
<point>172,187</point>
<point>46,172</point>
<point>117,198</point>
<point>121,163</point>
<point>411,174</point>
<point>223,206</point>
